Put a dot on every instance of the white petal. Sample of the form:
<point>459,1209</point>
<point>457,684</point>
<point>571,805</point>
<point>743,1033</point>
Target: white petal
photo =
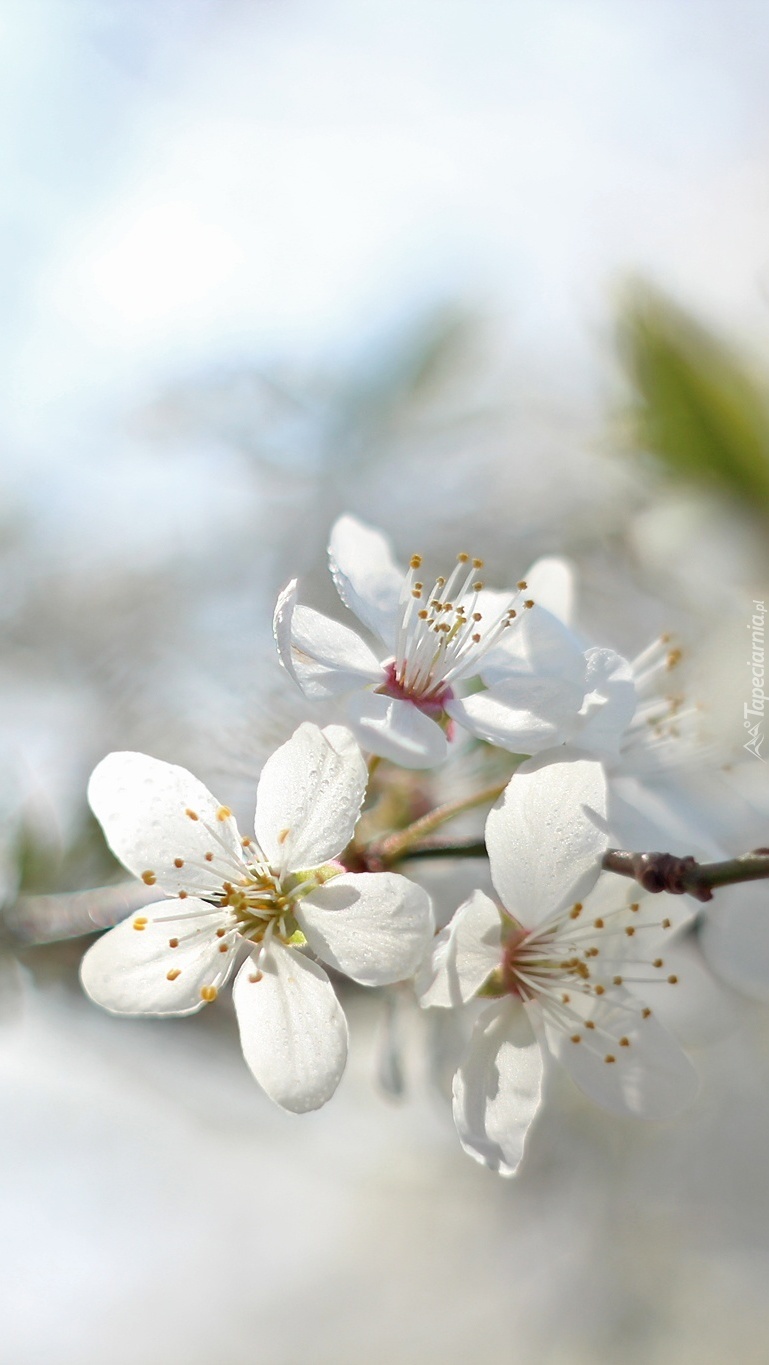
<point>610,702</point>
<point>497,1088</point>
<point>397,730</point>
<point>323,657</point>
<point>650,1077</point>
<point>133,970</point>
<point>367,578</point>
<point>373,926</point>
<point>463,955</point>
<point>309,797</point>
<point>524,715</point>
<point>545,837</point>
<point>292,1028</point>
<point>155,815</point>
<point>550,581</point>
<point>734,935</point>
<point>537,644</point>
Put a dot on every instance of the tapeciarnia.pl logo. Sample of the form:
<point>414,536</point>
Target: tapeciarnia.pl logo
<point>753,712</point>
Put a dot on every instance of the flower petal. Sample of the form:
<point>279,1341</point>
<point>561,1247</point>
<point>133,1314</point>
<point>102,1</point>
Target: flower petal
<point>292,1028</point>
<point>538,645</point>
<point>734,935</point>
<point>545,839</point>
<point>160,959</point>
<point>367,578</point>
<point>609,705</point>
<point>497,1089</point>
<point>550,581</point>
<point>323,657</point>
<point>463,955</point>
<point>163,824</point>
<point>525,715</point>
<point>628,1062</point>
<point>373,926</point>
<point>309,797</point>
<point>397,730</point>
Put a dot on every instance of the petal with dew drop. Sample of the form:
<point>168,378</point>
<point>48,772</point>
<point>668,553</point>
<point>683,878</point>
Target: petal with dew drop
<point>367,578</point>
<point>497,1089</point>
<point>292,1028</point>
<point>164,825</point>
<point>373,926</point>
<point>324,658</point>
<point>545,837</point>
<point>168,958</point>
<point>463,955</point>
<point>309,797</point>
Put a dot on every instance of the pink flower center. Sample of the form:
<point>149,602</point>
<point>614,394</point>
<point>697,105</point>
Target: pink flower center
<point>433,703</point>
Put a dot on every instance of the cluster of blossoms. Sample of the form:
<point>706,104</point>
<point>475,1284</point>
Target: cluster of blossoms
<point>561,964</point>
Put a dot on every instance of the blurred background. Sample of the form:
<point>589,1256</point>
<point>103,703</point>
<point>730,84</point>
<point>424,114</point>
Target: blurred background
<point>494,277</point>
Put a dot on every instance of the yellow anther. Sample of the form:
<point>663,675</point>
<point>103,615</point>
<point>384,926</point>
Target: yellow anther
<point>598,924</point>
<point>149,878</point>
<point>223,948</point>
<point>423,614</point>
<point>476,639</point>
<point>284,833</point>
<point>172,975</point>
<point>220,933</point>
<point>599,990</point>
<point>415,561</point>
<point>255,976</point>
<point>522,584</point>
<point>478,587</point>
<point>617,981</point>
<point>173,943</point>
<point>463,558</point>
<point>630,930</point>
<point>209,857</point>
<point>529,602</point>
<point>624,1042</point>
<point>635,906</point>
<point>609,1058</point>
<point>589,1023</point>
<point>178,862</point>
<point>477,563</point>
<point>415,592</point>
<point>674,657</point>
<point>672,980</point>
<point>666,923</point>
<point>141,922</point>
<point>208,993</point>
<point>182,895</point>
<point>223,813</point>
<point>193,815</point>
<point>658,962</point>
<point>576,1038</point>
<point>576,910</point>
<point>645,1013</point>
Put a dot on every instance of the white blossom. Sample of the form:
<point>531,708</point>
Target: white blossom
<point>536,677</point>
<point>276,893</point>
<point>564,957</point>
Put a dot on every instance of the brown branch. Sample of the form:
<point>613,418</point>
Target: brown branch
<point>685,876</point>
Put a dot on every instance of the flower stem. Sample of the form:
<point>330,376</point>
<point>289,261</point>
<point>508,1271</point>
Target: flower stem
<point>384,853</point>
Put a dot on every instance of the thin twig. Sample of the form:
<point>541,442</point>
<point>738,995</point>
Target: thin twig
<point>679,876</point>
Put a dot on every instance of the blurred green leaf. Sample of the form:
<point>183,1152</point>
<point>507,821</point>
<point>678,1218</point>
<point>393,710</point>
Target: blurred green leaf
<point>696,405</point>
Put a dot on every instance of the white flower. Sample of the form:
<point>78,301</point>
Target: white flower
<point>562,967</point>
<point>439,638</point>
<point>275,892</point>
